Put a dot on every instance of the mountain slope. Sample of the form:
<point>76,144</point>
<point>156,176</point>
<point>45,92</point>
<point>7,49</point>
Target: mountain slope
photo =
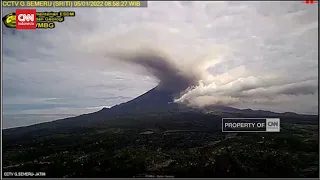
<point>153,107</point>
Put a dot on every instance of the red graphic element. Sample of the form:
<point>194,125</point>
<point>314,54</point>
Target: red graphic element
<point>26,19</point>
<point>310,1</point>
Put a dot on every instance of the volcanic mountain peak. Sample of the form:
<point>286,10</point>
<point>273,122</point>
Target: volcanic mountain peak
<point>156,104</point>
<point>156,99</point>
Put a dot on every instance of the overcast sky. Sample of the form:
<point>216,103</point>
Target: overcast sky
<point>50,74</point>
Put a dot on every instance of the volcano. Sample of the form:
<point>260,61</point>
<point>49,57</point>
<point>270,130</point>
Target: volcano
<point>157,104</point>
<point>149,123</point>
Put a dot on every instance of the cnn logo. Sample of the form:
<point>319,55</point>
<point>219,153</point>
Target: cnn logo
<point>273,125</point>
<point>26,17</point>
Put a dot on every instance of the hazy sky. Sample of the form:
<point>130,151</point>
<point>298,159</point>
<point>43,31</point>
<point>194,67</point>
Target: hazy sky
<point>271,56</point>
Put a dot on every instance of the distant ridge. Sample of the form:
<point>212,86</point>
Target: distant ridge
<point>155,101</point>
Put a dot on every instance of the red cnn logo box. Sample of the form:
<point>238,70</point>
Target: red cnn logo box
<point>26,19</point>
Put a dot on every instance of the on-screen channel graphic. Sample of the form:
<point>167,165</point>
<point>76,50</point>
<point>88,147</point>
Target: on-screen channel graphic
<point>30,19</point>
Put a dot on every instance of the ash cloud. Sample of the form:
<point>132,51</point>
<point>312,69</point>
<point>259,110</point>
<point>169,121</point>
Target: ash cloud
<point>176,71</point>
<point>171,76</point>
<point>188,75</point>
<point>270,66</point>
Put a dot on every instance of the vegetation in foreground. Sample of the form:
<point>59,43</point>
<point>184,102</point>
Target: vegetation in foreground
<point>140,152</point>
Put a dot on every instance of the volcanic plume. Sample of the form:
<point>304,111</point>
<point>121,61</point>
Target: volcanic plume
<point>185,73</point>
